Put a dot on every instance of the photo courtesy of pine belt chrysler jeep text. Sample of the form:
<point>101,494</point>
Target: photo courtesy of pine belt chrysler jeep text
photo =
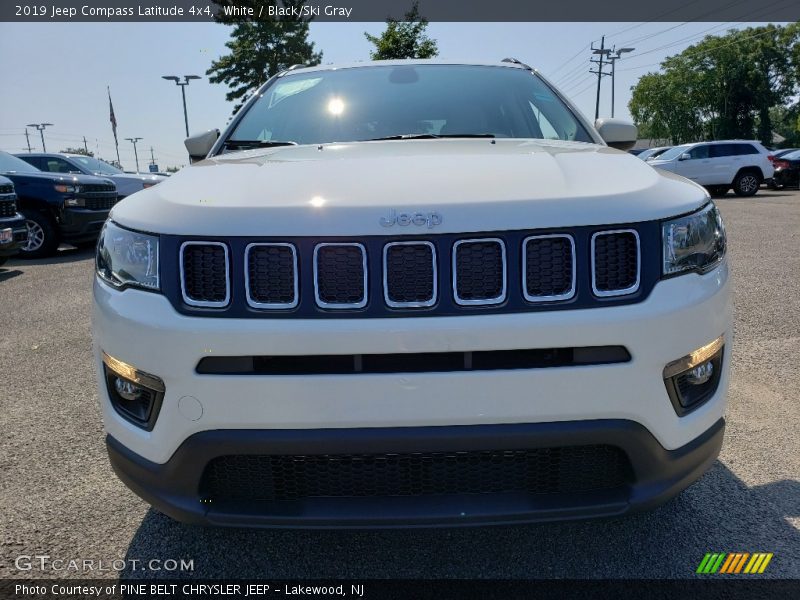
<point>412,293</point>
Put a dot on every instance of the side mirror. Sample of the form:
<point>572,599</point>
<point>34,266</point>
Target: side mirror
<point>685,156</point>
<point>617,133</point>
<point>200,144</point>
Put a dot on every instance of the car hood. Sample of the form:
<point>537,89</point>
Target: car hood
<point>346,189</point>
<point>68,178</point>
<point>141,177</point>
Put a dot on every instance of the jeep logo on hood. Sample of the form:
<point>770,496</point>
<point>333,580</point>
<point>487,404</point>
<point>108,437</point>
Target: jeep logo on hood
<point>431,219</point>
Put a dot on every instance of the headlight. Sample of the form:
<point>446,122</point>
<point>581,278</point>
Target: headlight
<point>127,257</point>
<point>65,189</point>
<point>694,243</point>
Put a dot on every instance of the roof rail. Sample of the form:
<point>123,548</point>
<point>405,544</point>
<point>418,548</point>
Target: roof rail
<point>516,61</point>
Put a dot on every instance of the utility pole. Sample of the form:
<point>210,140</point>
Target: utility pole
<point>152,158</point>
<point>41,127</point>
<point>85,145</point>
<point>186,80</point>
<point>602,52</point>
<point>135,153</point>
<point>615,56</point>
<point>28,140</point>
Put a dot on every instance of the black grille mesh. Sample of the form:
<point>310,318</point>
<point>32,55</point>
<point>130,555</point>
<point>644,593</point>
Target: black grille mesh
<point>548,266</point>
<point>8,208</point>
<point>204,273</point>
<point>409,273</point>
<point>533,471</point>
<point>479,270</point>
<point>105,202</point>
<point>340,274</point>
<point>616,259</point>
<point>271,274</point>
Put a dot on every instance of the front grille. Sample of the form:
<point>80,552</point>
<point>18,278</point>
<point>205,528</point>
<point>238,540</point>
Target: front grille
<point>92,188</point>
<point>479,271</point>
<point>340,275</point>
<point>8,208</point>
<point>440,274</point>
<point>205,278</point>
<point>271,275</point>
<point>615,260</point>
<point>549,267</point>
<point>557,470</point>
<point>6,188</point>
<point>409,273</point>
<point>104,202</point>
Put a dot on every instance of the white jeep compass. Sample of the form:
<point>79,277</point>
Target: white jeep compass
<point>412,293</point>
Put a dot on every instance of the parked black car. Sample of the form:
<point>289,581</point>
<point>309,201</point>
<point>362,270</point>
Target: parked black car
<point>58,207</point>
<point>13,231</point>
<point>787,169</point>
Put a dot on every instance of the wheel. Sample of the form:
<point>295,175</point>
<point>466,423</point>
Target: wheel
<point>717,190</point>
<point>746,184</point>
<point>42,235</point>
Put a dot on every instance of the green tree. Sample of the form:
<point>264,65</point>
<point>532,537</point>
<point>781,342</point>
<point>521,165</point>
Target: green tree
<point>82,151</point>
<point>404,39</point>
<point>260,48</point>
<point>723,87</point>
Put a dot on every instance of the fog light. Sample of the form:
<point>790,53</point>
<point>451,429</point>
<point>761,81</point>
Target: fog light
<point>693,379</point>
<point>134,394</point>
<point>700,374</point>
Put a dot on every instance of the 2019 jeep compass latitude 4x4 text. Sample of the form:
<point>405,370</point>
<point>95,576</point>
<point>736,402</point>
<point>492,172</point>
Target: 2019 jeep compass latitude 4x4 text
<point>412,293</point>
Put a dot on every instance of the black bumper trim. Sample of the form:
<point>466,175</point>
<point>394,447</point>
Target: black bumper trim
<point>659,474</point>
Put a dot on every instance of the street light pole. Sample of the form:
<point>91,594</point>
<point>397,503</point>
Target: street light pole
<point>613,60</point>
<point>41,127</point>
<point>603,52</point>
<point>135,153</point>
<point>182,84</point>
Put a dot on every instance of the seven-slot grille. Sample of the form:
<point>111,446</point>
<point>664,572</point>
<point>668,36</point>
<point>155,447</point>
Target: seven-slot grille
<point>339,275</point>
<point>615,262</point>
<point>206,274</point>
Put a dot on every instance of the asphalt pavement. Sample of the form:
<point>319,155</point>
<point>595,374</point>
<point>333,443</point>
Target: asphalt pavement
<point>60,498</point>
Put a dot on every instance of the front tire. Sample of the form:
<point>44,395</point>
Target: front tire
<point>42,235</point>
<point>746,184</point>
<point>717,191</point>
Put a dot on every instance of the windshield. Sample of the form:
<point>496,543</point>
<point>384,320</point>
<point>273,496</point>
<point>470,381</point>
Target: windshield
<point>12,164</point>
<point>365,103</point>
<point>97,167</point>
<point>673,152</point>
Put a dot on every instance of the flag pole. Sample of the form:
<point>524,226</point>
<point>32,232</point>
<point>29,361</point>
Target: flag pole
<point>113,125</point>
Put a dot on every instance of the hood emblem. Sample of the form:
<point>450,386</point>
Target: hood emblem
<point>420,219</point>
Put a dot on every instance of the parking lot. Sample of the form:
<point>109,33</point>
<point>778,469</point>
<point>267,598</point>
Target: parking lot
<point>60,498</point>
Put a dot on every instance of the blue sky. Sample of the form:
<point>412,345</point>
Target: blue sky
<point>58,73</point>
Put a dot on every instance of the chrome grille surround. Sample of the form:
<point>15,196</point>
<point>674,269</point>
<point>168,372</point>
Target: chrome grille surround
<point>341,305</point>
<point>395,304</point>
<point>553,298</point>
<point>617,292</point>
<point>271,305</point>
<point>485,301</point>
<point>205,303</point>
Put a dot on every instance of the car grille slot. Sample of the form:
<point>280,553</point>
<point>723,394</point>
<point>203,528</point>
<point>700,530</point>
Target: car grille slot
<point>550,470</point>
<point>479,273</point>
<point>99,202</point>
<point>615,262</point>
<point>8,208</point>
<point>409,270</point>
<point>340,275</point>
<point>271,275</point>
<point>205,276</point>
<point>549,268</point>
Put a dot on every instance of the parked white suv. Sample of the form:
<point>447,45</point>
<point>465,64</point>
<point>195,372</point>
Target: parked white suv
<point>720,165</point>
<point>412,292</point>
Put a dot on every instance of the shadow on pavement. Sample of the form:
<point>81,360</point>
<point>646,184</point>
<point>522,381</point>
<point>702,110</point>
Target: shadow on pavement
<point>65,254</point>
<point>717,514</point>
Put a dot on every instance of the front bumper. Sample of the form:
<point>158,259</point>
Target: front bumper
<point>19,232</point>
<point>656,475</point>
<point>81,225</point>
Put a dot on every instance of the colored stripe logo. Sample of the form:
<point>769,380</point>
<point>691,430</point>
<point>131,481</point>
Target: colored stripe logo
<point>734,563</point>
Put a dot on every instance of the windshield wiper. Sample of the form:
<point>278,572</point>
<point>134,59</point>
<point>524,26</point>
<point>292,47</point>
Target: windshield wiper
<point>431,136</point>
<point>257,143</point>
